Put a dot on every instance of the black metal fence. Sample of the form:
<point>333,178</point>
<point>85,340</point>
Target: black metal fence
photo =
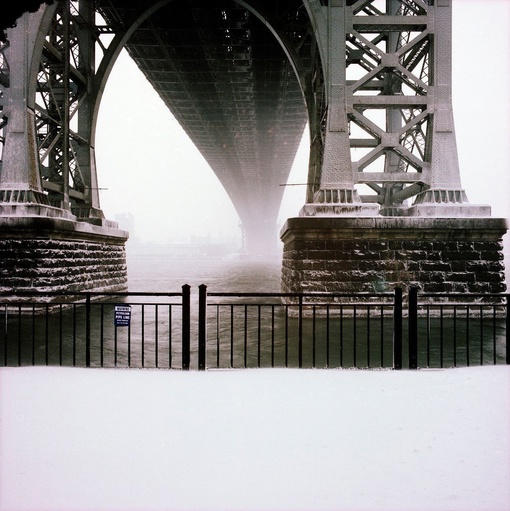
<point>97,329</point>
<point>298,330</point>
<point>242,330</point>
<point>451,330</point>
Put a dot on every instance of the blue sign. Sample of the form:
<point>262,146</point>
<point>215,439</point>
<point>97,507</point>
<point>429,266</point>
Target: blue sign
<point>122,315</point>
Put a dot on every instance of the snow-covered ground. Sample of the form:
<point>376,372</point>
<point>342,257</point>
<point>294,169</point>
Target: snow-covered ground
<point>77,439</point>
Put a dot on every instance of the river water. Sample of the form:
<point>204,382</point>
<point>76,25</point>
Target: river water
<point>163,273</point>
<point>246,332</point>
<point>265,336</point>
<point>160,271</point>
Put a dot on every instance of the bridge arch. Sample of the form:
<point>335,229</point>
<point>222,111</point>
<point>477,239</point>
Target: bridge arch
<point>77,189</point>
<point>318,38</point>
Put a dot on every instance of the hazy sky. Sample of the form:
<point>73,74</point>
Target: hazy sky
<point>149,167</point>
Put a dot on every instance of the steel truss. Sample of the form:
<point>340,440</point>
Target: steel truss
<point>388,55</point>
<point>388,103</point>
<point>70,79</point>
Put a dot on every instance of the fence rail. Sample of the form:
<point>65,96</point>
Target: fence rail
<point>448,330</point>
<point>241,330</point>
<point>96,329</point>
<point>297,330</point>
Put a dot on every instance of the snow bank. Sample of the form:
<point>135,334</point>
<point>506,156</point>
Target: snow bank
<point>78,439</point>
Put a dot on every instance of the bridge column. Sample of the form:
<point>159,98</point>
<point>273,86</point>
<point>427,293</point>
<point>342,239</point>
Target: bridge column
<point>336,194</point>
<point>443,195</point>
<point>44,246</point>
<point>21,189</point>
<point>386,136</point>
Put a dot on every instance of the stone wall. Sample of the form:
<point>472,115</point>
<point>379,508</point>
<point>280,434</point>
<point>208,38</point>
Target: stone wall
<point>377,255</point>
<point>66,258</point>
<point>57,265</point>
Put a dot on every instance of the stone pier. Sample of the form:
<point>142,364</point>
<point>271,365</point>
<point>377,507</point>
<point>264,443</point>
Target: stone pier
<point>58,254</point>
<point>438,255</point>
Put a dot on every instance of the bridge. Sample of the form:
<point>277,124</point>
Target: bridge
<point>243,77</point>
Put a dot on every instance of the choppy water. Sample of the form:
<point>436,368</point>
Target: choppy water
<point>148,272</point>
<point>153,339</point>
<point>160,273</point>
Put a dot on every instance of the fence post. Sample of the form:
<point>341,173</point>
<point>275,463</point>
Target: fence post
<point>202,325</point>
<point>87,330</point>
<point>397,329</point>
<point>507,329</point>
<point>300,332</point>
<point>413,328</point>
<point>186,326</point>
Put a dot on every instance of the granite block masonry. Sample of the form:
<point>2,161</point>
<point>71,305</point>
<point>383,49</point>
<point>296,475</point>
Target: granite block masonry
<point>437,255</point>
<point>58,255</point>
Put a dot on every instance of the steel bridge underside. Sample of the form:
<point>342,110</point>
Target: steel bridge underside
<point>229,84</point>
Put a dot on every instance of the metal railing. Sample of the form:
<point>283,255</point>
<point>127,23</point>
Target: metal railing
<point>452,330</point>
<point>240,330</point>
<point>243,330</point>
<point>96,329</point>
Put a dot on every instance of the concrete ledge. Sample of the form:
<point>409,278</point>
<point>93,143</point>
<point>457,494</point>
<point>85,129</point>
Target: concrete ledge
<point>400,227</point>
<point>42,227</point>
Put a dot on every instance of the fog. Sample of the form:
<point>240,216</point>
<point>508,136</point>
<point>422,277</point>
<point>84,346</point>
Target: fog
<point>148,168</point>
